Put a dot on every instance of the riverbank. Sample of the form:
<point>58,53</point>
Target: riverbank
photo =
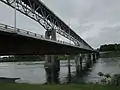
<point>8,86</point>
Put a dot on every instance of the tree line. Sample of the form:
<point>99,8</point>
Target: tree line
<point>109,47</point>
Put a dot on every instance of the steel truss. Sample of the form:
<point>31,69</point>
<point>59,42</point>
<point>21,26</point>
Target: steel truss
<point>36,11</point>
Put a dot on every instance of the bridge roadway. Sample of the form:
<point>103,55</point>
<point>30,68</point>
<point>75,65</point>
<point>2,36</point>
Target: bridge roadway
<point>19,42</point>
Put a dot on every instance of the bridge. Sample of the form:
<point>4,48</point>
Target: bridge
<point>16,41</point>
<point>22,42</point>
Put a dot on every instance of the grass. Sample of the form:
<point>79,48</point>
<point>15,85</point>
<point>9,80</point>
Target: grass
<point>9,86</point>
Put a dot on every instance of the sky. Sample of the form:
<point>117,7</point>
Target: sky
<point>96,21</point>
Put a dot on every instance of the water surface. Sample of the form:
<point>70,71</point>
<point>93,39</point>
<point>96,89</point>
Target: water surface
<point>33,72</point>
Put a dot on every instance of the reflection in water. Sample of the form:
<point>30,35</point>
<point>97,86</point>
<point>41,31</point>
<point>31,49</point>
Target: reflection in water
<point>33,72</point>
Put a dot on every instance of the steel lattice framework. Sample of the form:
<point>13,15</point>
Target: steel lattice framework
<point>36,10</point>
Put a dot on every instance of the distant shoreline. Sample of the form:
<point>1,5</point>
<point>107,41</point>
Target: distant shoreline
<point>109,54</point>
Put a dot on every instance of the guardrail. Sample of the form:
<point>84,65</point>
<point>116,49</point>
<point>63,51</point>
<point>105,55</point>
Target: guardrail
<point>11,29</point>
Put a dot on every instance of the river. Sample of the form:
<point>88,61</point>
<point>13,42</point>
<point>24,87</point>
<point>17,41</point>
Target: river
<point>34,73</point>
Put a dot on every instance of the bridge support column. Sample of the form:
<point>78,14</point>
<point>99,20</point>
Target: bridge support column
<point>97,55</point>
<point>94,57</point>
<point>48,68</point>
<point>77,65</point>
<point>89,61</point>
<point>56,69</point>
<point>81,59</point>
<point>69,69</point>
<point>52,66</point>
<point>78,62</point>
<point>56,63</point>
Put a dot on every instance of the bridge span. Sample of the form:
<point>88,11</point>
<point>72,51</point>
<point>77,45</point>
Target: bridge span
<point>39,12</point>
<point>21,42</point>
<point>14,41</point>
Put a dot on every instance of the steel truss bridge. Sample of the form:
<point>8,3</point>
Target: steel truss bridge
<point>39,12</point>
<point>15,41</point>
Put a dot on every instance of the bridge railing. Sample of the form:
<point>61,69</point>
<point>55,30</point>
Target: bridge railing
<point>18,31</point>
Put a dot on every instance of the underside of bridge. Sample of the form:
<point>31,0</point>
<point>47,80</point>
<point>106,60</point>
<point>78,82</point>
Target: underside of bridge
<point>14,44</point>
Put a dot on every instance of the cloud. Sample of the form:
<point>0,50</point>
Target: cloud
<point>108,35</point>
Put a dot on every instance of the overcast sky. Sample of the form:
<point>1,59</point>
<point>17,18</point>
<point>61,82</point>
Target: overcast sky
<point>96,21</point>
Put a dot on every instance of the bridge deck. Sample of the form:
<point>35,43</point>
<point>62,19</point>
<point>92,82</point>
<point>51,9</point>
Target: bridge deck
<point>15,43</point>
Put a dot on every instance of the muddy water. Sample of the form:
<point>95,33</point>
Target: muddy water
<point>33,72</point>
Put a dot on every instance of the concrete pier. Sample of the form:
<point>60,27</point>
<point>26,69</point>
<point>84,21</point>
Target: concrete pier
<point>56,69</point>
<point>81,59</point>
<point>48,68</point>
<point>69,69</point>
<point>94,57</point>
<point>77,64</point>
<point>88,61</point>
